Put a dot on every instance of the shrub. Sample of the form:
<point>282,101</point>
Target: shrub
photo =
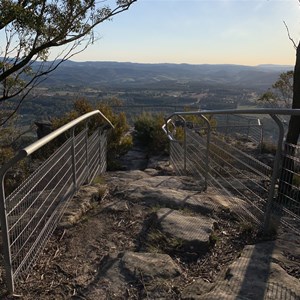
<point>148,128</point>
<point>118,143</point>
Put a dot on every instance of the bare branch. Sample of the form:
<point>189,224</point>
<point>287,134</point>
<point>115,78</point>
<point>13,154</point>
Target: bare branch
<point>288,32</point>
<point>62,38</point>
<point>34,27</point>
<point>37,80</point>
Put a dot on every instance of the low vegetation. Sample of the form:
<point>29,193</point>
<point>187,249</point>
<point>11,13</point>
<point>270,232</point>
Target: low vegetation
<point>149,132</point>
<point>119,141</point>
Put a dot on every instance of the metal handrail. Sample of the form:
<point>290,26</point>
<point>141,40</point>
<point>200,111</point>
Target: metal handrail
<point>220,162</point>
<point>48,138</point>
<point>29,150</point>
<point>260,111</point>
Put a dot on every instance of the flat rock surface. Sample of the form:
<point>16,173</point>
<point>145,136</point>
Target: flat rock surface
<point>256,274</point>
<point>150,265</point>
<point>81,203</point>
<point>158,236</point>
<point>171,182</point>
<point>191,230</point>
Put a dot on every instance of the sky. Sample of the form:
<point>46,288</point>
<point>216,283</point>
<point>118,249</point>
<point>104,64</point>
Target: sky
<point>248,32</point>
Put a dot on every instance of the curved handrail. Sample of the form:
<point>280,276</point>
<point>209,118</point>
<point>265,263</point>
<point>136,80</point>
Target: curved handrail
<point>48,138</point>
<point>73,187</point>
<point>260,111</point>
<point>277,164</point>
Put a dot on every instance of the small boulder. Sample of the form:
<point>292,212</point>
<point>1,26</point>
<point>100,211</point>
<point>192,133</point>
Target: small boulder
<point>194,232</point>
<point>149,265</point>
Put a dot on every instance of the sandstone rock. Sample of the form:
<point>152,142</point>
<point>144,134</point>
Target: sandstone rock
<point>204,203</point>
<point>120,177</point>
<point>119,270</point>
<point>191,231</point>
<point>158,162</point>
<point>135,159</point>
<point>198,288</point>
<point>152,172</point>
<point>166,197</point>
<point>171,182</point>
<point>149,265</point>
<point>80,204</point>
<point>254,275</point>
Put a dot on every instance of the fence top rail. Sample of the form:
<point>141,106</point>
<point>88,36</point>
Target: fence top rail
<point>48,138</point>
<point>258,111</point>
<point>51,136</point>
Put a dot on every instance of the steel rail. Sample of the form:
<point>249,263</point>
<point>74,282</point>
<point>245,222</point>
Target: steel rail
<point>259,111</point>
<point>4,207</point>
<point>274,171</point>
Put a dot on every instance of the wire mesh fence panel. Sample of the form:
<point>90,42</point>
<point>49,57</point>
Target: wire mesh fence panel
<point>229,157</point>
<point>288,197</point>
<point>32,211</point>
<point>80,142</point>
<point>33,204</point>
<point>177,157</point>
<point>93,155</point>
<point>103,151</point>
<point>228,168</point>
<point>243,127</point>
<point>196,148</point>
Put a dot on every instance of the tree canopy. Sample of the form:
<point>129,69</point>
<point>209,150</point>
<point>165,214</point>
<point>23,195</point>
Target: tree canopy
<point>31,28</point>
<point>281,94</point>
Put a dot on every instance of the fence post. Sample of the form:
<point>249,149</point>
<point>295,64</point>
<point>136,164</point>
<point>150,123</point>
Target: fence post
<point>6,240</point>
<point>73,158</point>
<point>275,173</point>
<point>4,222</point>
<point>100,147</point>
<point>207,151</point>
<point>248,129</point>
<point>184,147</point>
<point>87,152</point>
<point>261,138</point>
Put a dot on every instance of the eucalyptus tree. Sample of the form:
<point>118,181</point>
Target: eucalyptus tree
<point>293,133</point>
<point>281,93</point>
<point>30,29</point>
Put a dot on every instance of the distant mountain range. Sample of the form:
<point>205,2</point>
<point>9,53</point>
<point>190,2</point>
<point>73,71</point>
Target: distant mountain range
<point>123,74</point>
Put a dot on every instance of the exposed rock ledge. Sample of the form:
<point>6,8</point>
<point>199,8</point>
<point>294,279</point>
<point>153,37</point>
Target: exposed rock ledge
<point>151,238</point>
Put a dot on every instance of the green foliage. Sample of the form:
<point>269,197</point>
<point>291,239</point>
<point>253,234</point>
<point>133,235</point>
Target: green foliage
<point>281,94</point>
<point>8,133</point>
<point>149,132</point>
<point>33,27</point>
<point>198,121</point>
<point>6,153</point>
<point>179,134</point>
<point>213,239</point>
<point>119,141</point>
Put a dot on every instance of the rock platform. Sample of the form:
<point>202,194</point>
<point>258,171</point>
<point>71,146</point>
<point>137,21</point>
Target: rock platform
<point>154,235</point>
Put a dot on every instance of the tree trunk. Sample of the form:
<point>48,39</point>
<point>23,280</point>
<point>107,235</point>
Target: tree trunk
<point>294,125</point>
<point>286,177</point>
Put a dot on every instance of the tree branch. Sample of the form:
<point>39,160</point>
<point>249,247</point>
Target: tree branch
<point>61,39</point>
<point>288,32</point>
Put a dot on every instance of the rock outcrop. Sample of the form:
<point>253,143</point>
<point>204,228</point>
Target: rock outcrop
<point>154,235</point>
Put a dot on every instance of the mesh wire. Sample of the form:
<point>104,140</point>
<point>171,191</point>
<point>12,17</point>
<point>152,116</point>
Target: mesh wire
<point>35,207</point>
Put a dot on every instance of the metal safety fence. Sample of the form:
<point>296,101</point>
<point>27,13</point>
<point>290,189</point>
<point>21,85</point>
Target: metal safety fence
<point>31,212</point>
<point>268,185</point>
<point>239,126</point>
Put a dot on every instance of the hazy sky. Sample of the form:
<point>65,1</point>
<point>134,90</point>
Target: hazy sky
<point>197,31</point>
